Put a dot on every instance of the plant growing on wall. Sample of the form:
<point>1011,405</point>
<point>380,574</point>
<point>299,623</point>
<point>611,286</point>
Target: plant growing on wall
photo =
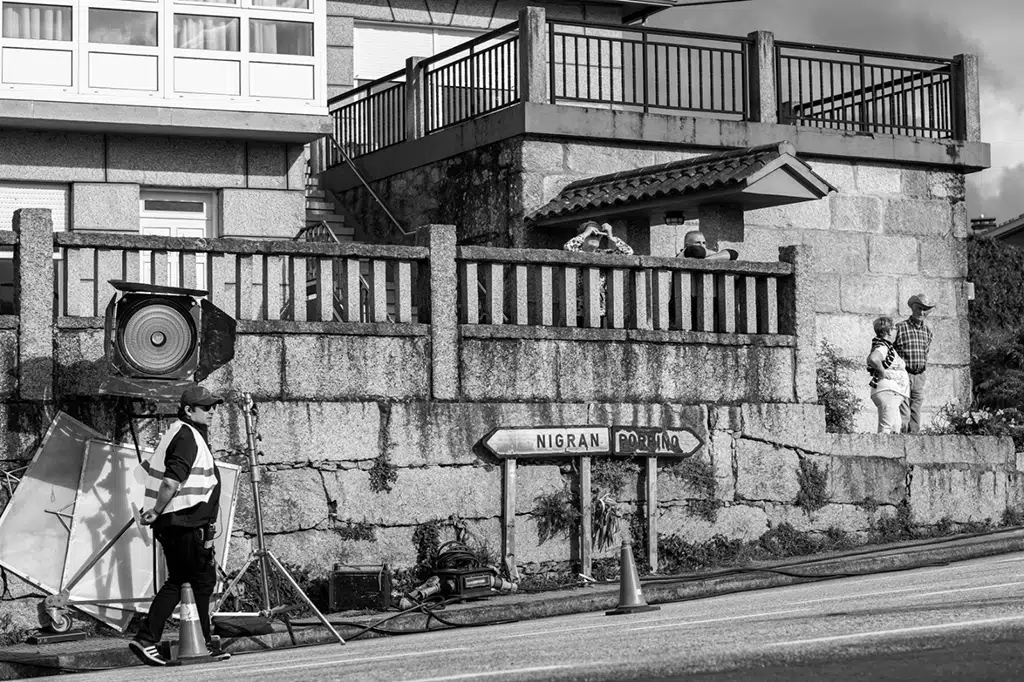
<point>699,473</point>
<point>355,531</point>
<point>813,480</point>
<point>383,474</point>
<point>834,393</point>
<point>609,478</point>
<point>557,514</point>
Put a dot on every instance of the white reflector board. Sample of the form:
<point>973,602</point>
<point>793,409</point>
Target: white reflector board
<point>36,524</point>
<point>111,481</point>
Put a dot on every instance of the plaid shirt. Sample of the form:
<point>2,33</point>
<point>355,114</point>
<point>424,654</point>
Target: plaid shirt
<point>912,343</point>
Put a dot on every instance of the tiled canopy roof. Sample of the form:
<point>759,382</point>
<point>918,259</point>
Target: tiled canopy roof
<point>711,173</point>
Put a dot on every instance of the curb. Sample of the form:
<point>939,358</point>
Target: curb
<point>24,661</point>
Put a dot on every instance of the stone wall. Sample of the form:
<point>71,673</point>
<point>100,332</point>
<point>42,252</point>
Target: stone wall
<point>888,233</point>
<point>261,185</point>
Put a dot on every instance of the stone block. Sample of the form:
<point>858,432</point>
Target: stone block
<point>765,472</point>
<point>722,446</point>
<point>376,10</point>
<point>951,342</point>
<point>20,617</point>
<point>840,175</point>
<point>81,364</point>
<point>879,180</point>
<point>525,369</point>
<point>943,258</point>
<point>262,213</point>
<point>543,157</point>
<point>852,479</point>
<point>826,292</point>
<point>534,480</point>
<point>340,30</point>
<point>961,223</point>
<point>530,548</point>
<point>788,424</point>
<point>916,183</point>
<point>946,385</point>
<point>947,185</point>
<point>292,500</point>
<point>727,418</point>
<point>592,159</point>
<point>45,156</point>
<point>875,445</point>
<point>694,417</point>
<point>295,160</point>
<point>869,295</point>
<point>1015,491</point>
<point>16,588</point>
<point>435,433</point>
<point>760,244</point>
<point>893,255</point>
<point>420,494</point>
<point>340,68</point>
<point>846,517</point>
<point>107,207</point>
<point>837,252</point>
<point>806,215</point>
<point>850,334</point>
<point>735,522</point>
<point>945,293</point>
<point>553,184</point>
<point>960,495</point>
<point>266,165</point>
<point>256,368</point>
<point>360,367</point>
<point>975,451</point>
<point>932,217</point>
<point>856,213</point>
<point>175,161</point>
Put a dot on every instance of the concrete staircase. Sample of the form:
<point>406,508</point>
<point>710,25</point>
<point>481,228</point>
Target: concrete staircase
<point>320,208</point>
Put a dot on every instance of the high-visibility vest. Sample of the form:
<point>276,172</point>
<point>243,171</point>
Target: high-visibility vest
<point>201,481</point>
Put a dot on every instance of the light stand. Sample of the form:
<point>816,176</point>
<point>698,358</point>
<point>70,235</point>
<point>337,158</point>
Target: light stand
<point>261,555</point>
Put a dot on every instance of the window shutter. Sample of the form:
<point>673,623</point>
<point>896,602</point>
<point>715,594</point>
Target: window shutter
<point>15,195</point>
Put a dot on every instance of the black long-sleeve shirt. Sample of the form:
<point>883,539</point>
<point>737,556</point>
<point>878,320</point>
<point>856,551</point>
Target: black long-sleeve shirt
<point>178,462</point>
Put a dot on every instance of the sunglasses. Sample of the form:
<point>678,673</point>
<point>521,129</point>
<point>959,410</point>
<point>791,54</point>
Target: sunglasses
<point>205,408</point>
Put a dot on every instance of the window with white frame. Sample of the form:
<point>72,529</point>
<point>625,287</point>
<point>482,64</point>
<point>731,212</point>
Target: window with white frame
<point>168,49</point>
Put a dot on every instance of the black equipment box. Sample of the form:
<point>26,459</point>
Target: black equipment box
<point>467,583</point>
<point>360,587</point>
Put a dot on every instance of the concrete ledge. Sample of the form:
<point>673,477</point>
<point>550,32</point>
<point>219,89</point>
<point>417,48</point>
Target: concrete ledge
<point>333,328</point>
<point>163,118</point>
<point>506,331</point>
<point>630,128</point>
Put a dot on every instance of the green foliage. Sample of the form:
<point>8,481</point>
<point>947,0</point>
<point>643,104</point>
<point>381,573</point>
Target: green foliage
<point>609,478</point>
<point>980,422</point>
<point>699,473</point>
<point>997,270</point>
<point>9,634</point>
<point>893,528</point>
<point>315,585</point>
<point>355,531</point>
<point>1013,516</point>
<point>557,514</point>
<point>834,393</point>
<point>869,504</point>
<point>427,540</point>
<point>638,541</point>
<point>813,480</point>
<point>383,474</point>
<point>611,475</point>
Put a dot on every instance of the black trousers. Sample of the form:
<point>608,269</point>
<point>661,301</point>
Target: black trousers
<point>187,562</point>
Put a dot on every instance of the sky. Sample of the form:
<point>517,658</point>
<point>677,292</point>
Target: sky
<point>991,29</point>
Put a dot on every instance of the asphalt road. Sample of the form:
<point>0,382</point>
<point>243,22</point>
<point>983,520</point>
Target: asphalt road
<point>959,622</point>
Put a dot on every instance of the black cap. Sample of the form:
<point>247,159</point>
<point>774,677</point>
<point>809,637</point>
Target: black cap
<point>198,395</point>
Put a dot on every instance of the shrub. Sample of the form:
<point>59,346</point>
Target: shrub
<point>975,421</point>
<point>699,473</point>
<point>383,474</point>
<point>813,480</point>
<point>557,514</point>
<point>834,393</point>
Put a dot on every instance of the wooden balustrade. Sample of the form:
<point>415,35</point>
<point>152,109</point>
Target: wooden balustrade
<point>554,288</point>
<point>267,280</point>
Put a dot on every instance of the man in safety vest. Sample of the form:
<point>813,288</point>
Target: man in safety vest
<point>182,500</point>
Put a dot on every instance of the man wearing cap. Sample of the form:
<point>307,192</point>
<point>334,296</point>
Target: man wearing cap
<point>913,339</point>
<point>182,501</point>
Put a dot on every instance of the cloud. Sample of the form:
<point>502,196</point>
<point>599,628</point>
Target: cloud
<point>1000,200</point>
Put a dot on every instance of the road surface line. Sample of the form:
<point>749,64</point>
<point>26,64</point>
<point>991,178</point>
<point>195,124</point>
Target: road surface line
<point>919,628</point>
<point>492,673</point>
<point>711,620</point>
<point>855,596</point>
<point>261,667</point>
<point>1009,561</point>
<point>968,589</point>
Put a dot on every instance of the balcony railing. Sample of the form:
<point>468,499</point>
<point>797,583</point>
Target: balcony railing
<point>648,69</point>
<point>629,68</point>
<point>858,90</point>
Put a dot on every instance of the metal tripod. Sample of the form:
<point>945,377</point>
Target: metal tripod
<point>261,555</point>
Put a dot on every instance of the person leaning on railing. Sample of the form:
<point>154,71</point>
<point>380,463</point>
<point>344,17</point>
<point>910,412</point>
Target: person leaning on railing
<point>695,246</point>
<point>594,237</point>
<point>890,383</point>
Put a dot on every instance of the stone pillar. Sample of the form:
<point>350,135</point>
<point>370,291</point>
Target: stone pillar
<point>721,223</point>
<point>966,105</point>
<point>797,317</point>
<point>443,313</point>
<point>105,207</point>
<point>415,99</point>
<point>764,107</point>
<point>533,55</point>
<point>34,294</point>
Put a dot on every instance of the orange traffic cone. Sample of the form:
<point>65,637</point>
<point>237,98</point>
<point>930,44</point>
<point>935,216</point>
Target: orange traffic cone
<point>631,597</point>
<point>191,643</point>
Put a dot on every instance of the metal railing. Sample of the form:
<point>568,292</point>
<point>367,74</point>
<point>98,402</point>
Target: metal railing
<point>649,69</point>
<point>368,118</point>
<point>471,79</point>
<point>865,91</point>
<point>250,280</point>
<point>556,289</point>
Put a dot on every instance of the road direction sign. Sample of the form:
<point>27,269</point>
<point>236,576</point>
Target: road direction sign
<point>548,441</point>
<point>654,442</point>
